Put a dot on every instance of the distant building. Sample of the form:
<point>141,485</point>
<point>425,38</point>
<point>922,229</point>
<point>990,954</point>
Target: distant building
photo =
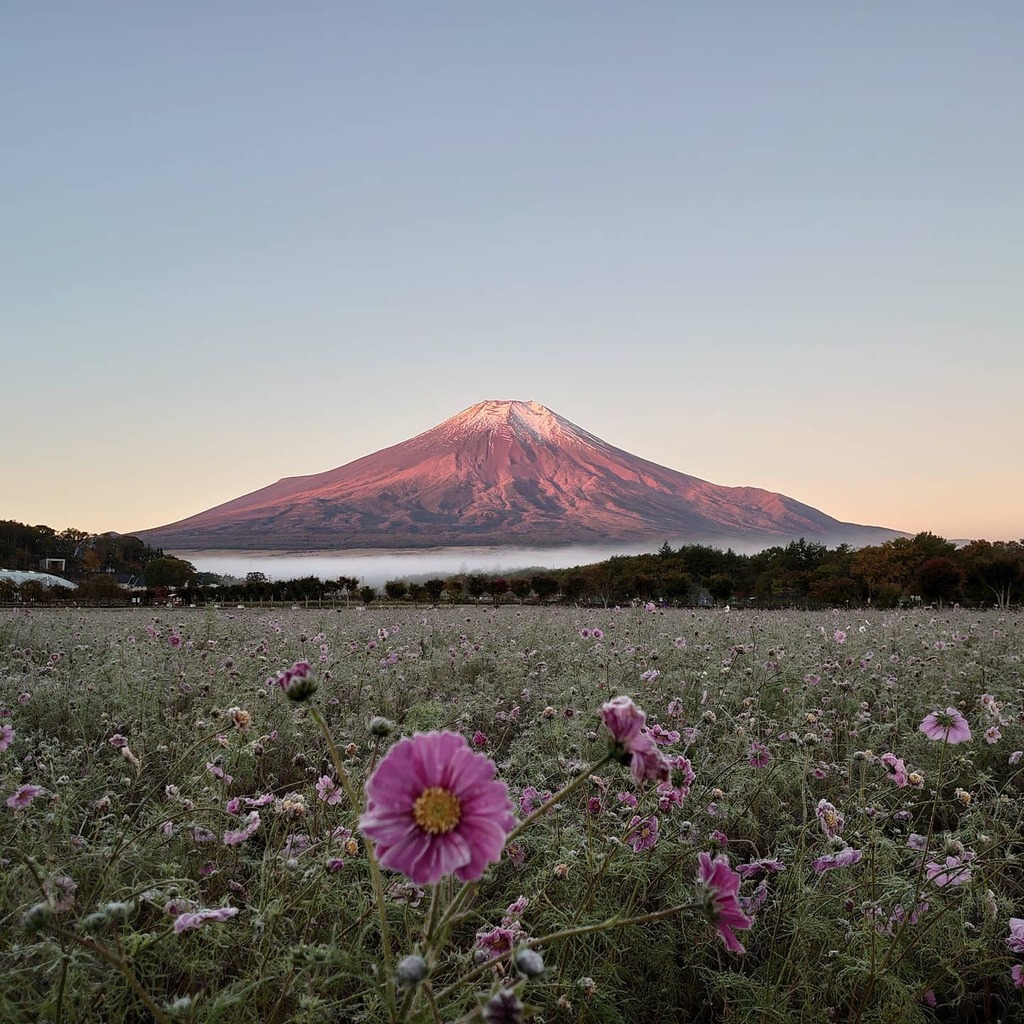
<point>52,564</point>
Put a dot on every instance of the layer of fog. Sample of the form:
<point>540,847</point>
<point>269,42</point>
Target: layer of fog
<point>376,567</point>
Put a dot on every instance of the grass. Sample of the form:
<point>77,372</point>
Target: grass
<point>96,867</point>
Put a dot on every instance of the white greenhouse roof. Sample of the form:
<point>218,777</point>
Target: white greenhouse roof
<point>17,577</point>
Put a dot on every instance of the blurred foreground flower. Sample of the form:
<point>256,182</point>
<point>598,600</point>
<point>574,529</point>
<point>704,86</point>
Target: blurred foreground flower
<point>434,809</point>
<point>721,885</point>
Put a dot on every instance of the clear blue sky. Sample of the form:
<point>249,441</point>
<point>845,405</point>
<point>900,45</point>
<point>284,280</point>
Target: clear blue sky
<point>772,244</point>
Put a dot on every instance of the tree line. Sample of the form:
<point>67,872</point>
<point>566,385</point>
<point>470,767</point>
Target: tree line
<point>925,568</point>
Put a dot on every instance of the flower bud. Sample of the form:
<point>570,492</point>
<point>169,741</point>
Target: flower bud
<point>410,971</point>
<point>381,726</point>
<point>530,963</point>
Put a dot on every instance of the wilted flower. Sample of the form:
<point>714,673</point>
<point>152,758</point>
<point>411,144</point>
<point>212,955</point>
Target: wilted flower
<point>1016,937</point>
<point>200,917</point>
<point>631,743</point>
<point>504,1007</point>
<point>6,735</point>
<point>830,861</point>
<point>24,795</point>
<point>830,819</point>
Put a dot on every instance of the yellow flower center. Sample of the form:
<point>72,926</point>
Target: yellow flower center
<point>437,810</point>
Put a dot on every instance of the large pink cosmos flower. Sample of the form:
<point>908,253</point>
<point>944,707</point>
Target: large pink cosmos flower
<point>722,885</point>
<point>948,725</point>
<point>633,744</point>
<point>434,809</point>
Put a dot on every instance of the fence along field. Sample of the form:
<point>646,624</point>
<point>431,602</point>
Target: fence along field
<point>593,815</point>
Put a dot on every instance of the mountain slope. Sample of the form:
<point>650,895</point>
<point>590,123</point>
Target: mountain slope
<point>501,473</point>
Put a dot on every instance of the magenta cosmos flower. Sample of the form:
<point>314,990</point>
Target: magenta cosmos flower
<point>948,725</point>
<point>722,885</point>
<point>632,743</point>
<point>434,809</point>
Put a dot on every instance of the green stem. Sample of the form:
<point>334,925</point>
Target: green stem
<point>570,933</point>
<point>371,859</point>
<point>580,780</point>
<point>121,965</point>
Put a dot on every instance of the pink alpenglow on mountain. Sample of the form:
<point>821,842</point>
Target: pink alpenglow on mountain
<point>502,473</point>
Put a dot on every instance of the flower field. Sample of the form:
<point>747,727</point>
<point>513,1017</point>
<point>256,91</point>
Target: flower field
<point>459,814</point>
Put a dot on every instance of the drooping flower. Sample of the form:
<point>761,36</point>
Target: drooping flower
<point>632,744</point>
<point>1016,938</point>
<point>434,808</point>
<point>200,917</point>
<point>721,885</point>
<point>234,837</point>
<point>843,859</point>
<point>948,725</point>
<point>1017,976</point>
<point>24,795</point>
<point>896,768</point>
<point>764,866</point>
<point>6,735</point>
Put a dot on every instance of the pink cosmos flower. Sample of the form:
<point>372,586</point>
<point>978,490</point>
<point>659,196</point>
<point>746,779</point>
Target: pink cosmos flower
<point>328,790</point>
<point>830,819</point>
<point>434,809</point>
<point>896,768</point>
<point>948,725</point>
<point>632,743</point>
<point>764,866</point>
<point>6,735</point>
<point>843,859</point>
<point>200,917</point>
<point>1016,938</point>
<point>236,836</point>
<point>1017,976</point>
<point>24,795</point>
<point>532,799</point>
<point>758,755</point>
<point>494,943</point>
<point>952,871</point>
<point>992,734</point>
<point>479,739</point>
<point>722,884</point>
<point>642,833</point>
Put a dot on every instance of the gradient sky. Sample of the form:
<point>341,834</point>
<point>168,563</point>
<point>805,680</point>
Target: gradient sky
<point>771,244</point>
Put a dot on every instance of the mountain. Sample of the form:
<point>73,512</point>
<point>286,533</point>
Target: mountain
<point>502,473</point>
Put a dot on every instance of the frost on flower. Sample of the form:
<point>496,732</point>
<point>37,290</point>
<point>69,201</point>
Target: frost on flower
<point>24,795</point>
<point>843,859</point>
<point>236,836</point>
<point>632,744</point>
<point>721,887</point>
<point>198,918</point>
<point>948,725</point>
